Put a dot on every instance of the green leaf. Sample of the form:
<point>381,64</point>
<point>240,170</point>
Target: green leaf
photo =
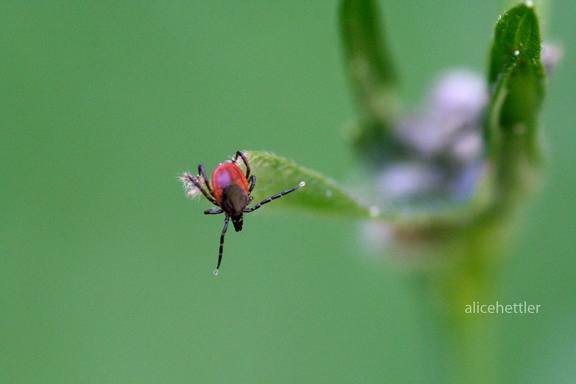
<point>275,174</point>
<point>371,70</point>
<point>369,62</point>
<point>516,77</point>
<point>322,194</point>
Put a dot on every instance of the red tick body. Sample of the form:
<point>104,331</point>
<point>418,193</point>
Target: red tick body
<point>230,188</point>
<point>230,191</point>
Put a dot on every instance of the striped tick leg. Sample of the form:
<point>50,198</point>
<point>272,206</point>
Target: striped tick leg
<point>276,196</point>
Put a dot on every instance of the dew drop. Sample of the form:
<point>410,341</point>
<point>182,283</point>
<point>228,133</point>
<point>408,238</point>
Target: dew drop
<point>516,52</point>
<point>215,272</point>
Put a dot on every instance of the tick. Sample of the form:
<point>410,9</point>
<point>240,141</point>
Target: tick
<point>229,190</point>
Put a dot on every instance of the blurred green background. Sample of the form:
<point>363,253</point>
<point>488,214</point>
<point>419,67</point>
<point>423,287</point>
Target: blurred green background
<point>106,267</point>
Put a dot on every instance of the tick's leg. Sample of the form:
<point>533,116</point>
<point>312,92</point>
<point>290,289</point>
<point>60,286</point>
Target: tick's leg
<point>213,211</point>
<point>202,172</point>
<point>226,220</point>
<point>252,183</point>
<point>240,154</point>
<point>278,195</point>
<point>197,184</point>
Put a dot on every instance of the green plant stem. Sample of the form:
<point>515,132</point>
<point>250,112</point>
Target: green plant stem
<point>465,344</point>
<point>461,347</point>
